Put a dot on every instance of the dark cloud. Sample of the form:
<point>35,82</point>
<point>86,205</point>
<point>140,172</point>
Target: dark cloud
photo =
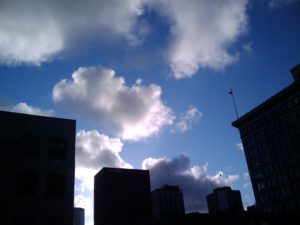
<point>194,181</point>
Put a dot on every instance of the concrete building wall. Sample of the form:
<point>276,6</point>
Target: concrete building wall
<point>36,169</point>
<point>122,196</point>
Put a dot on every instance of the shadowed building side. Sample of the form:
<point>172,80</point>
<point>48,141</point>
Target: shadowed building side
<point>78,216</point>
<point>36,169</point>
<point>167,202</point>
<point>271,138</point>
<point>122,196</point>
<point>225,200</point>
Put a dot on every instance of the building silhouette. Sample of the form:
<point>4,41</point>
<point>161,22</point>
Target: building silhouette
<point>167,202</point>
<point>78,216</point>
<point>224,200</point>
<point>122,196</point>
<point>270,135</point>
<point>36,169</point>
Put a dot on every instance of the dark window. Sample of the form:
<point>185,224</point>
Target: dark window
<point>31,146</point>
<point>55,184</point>
<point>53,221</point>
<point>23,221</point>
<point>26,184</point>
<point>58,148</point>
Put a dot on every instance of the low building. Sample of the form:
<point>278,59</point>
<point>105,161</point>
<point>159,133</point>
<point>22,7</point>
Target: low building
<point>78,216</point>
<point>167,202</point>
<point>122,196</point>
<point>224,200</point>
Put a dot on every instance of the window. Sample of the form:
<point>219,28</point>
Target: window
<point>31,146</point>
<point>23,221</point>
<point>26,184</point>
<point>53,221</point>
<point>58,148</point>
<point>55,184</point>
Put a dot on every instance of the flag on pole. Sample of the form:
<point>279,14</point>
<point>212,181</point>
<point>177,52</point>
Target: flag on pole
<point>230,92</point>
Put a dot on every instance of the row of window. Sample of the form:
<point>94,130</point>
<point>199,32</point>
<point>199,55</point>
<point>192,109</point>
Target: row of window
<point>275,113</point>
<point>289,205</point>
<point>272,148</point>
<point>273,162</point>
<point>30,221</point>
<point>27,184</point>
<point>32,146</point>
<point>279,194</point>
<point>273,125</point>
<point>279,180</point>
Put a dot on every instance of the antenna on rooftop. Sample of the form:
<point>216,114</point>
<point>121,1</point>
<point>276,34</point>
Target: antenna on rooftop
<point>236,112</point>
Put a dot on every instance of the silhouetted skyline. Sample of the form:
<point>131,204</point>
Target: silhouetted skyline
<point>148,81</point>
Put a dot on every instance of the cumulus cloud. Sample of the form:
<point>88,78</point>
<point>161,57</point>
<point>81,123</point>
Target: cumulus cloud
<point>186,121</point>
<point>83,202</point>
<point>194,181</point>
<point>23,107</point>
<point>202,33</point>
<point>34,31</point>
<point>131,113</point>
<point>94,151</point>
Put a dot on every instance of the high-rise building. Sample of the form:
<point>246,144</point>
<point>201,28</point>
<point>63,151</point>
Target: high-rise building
<point>78,216</point>
<point>167,202</point>
<point>270,135</point>
<point>36,169</point>
<point>122,196</point>
<point>224,200</point>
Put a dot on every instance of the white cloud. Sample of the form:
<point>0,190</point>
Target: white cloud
<point>203,32</point>
<point>131,113</point>
<point>185,122</point>
<point>23,107</point>
<point>194,181</point>
<point>94,151</point>
<point>274,4</point>
<point>34,31</point>
<point>240,146</point>
<point>83,202</point>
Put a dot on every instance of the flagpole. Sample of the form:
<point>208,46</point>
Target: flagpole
<point>236,112</point>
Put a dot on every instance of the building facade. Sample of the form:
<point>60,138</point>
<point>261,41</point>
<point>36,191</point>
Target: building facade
<point>270,135</point>
<point>122,196</point>
<point>224,200</point>
<point>78,216</point>
<point>36,169</point>
<point>167,202</point>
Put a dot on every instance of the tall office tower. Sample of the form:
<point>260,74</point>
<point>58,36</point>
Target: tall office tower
<point>271,138</point>
<point>167,202</point>
<point>122,196</point>
<point>36,169</point>
<point>224,200</point>
<point>78,216</point>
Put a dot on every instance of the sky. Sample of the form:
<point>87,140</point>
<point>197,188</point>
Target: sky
<point>147,82</point>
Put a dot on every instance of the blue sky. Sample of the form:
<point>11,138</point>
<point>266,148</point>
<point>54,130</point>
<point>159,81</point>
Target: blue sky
<point>148,81</point>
